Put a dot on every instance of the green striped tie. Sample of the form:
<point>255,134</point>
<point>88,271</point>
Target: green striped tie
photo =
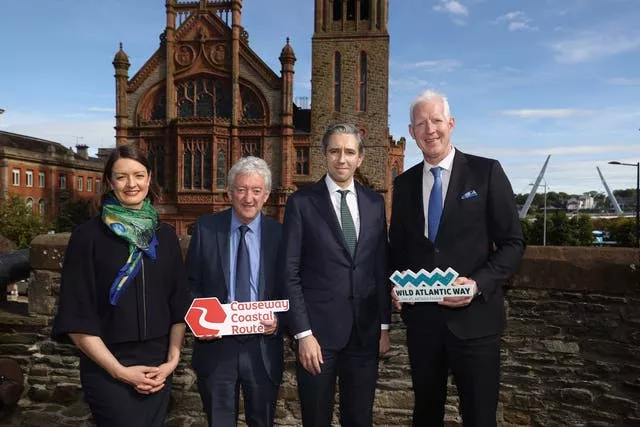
<point>348,228</point>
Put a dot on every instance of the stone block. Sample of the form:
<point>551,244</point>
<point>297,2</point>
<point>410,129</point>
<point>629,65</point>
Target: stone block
<point>47,251</point>
<point>577,396</point>
<point>558,346</point>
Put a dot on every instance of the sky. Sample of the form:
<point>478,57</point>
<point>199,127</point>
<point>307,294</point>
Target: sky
<point>524,78</point>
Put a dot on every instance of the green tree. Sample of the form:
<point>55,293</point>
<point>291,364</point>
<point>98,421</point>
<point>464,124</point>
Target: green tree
<point>72,214</point>
<point>561,230</point>
<point>18,223</point>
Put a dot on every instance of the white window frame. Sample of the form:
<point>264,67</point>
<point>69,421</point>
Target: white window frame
<point>98,185</point>
<point>89,184</point>
<point>29,178</point>
<point>42,207</point>
<point>41,180</point>
<point>62,182</point>
<point>15,173</point>
<point>80,183</point>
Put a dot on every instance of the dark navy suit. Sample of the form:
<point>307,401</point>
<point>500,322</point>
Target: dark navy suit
<point>255,362</point>
<point>342,299</point>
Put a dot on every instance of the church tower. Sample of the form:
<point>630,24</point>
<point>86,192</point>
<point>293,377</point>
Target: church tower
<point>350,82</point>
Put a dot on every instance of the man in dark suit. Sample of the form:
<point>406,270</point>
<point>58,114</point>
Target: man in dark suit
<point>232,256</point>
<point>334,250</point>
<point>454,210</point>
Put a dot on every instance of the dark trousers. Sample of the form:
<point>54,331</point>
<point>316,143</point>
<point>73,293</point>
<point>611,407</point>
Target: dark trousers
<point>475,364</point>
<point>357,369</point>
<point>117,404</point>
<point>220,390</point>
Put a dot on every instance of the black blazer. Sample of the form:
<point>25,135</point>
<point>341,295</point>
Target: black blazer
<point>208,269</point>
<point>330,292</point>
<point>479,236</point>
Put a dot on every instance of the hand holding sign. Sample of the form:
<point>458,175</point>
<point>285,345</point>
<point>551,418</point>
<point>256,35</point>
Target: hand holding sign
<point>434,286</point>
<point>208,318</point>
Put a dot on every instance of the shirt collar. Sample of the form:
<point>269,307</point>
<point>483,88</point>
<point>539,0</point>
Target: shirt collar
<point>333,187</point>
<point>445,164</point>
<point>254,225</point>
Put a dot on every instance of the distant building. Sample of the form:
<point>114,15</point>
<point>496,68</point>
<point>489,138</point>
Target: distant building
<point>205,98</point>
<point>580,202</point>
<point>47,174</point>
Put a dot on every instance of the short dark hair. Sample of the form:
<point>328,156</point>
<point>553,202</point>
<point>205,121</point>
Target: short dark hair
<point>128,151</point>
<point>342,128</point>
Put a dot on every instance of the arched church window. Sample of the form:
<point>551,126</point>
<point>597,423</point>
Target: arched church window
<point>251,106</point>
<point>351,10</point>
<point>43,209</point>
<point>362,102</point>
<point>204,98</point>
<point>221,167</point>
<point>251,147</point>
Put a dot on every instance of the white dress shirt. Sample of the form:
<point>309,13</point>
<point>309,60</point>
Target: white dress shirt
<point>427,184</point>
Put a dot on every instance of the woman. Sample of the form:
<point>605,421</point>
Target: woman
<point>123,298</point>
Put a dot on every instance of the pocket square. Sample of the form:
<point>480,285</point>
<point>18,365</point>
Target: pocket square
<point>469,195</point>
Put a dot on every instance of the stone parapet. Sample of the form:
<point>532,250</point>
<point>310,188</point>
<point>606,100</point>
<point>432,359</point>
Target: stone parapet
<point>570,352</point>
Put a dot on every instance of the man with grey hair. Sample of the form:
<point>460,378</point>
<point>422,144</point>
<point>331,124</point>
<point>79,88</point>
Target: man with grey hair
<point>232,256</point>
<point>454,210</point>
<point>334,255</point>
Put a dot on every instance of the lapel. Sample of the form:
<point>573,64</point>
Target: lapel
<point>223,238</point>
<point>459,175</point>
<point>418,205</point>
<point>366,213</point>
<point>264,237</point>
<point>322,202</point>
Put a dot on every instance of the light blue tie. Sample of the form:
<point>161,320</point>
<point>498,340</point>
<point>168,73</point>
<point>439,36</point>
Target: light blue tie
<point>435,204</point>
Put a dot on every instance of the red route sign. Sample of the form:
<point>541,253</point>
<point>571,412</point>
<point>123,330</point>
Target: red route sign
<point>202,312</point>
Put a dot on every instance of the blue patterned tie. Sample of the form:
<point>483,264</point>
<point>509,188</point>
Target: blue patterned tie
<point>348,228</point>
<point>243,270</point>
<point>435,204</point>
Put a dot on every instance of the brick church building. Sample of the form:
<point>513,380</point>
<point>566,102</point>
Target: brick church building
<point>205,98</point>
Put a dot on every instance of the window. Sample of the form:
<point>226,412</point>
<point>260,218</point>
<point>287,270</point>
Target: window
<point>15,173</point>
<point>80,183</point>
<point>221,164</point>
<point>30,204</point>
<point>337,10</point>
<point>336,81</point>
<point>29,175</point>
<point>362,104</point>
<point>89,184</point>
<point>42,207</point>
<point>302,161</point>
<point>250,147</point>
<point>62,182</point>
<point>197,165</point>
<point>351,10</point>
<point>364,9</point>
<point>98,187</point>
<point>204,98</point>
<point>41,179</point>
<point>155,153</point>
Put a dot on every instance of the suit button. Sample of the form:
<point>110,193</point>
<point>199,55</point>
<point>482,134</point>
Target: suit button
<point>353,267</point>
<point>436,250</point>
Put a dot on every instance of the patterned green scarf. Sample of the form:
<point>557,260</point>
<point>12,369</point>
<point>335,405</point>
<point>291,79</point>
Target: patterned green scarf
<point>138,228</point>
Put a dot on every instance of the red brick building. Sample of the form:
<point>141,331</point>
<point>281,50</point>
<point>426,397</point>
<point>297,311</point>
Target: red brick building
<point>47,174</point>
<point>205,98</point>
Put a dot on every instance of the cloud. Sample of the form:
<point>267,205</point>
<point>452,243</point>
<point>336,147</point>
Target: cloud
<point>517,21</point>
<point>623,81</point>
<point>588,46</point>
<point>456,10</point>
<point>436,65</point>
<point>409,83</point>
<point>556,113</point>
<point>94,109</point>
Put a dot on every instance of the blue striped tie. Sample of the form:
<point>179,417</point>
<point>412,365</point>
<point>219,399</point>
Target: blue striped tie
<point>435,204</point>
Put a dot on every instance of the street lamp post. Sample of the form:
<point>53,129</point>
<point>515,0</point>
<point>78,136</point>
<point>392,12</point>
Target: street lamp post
<point>637,166</point>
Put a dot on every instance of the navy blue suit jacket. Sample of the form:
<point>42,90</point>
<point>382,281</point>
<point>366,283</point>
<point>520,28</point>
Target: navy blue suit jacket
<point>208,269</point>
<point>479,236</point>
<point>331,292</point>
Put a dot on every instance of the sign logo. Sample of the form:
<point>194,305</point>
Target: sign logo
<point>425,286</point>
<point>207,316</point>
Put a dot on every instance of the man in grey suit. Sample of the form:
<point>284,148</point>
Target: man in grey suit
<point>232,256</point>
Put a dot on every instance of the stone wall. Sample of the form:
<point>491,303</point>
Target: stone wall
<point>571,351</point>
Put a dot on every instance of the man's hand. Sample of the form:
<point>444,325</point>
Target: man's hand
<point>270,325</point>
<point>385,342</point>
<point>457,302</point>
<point>310,354</point>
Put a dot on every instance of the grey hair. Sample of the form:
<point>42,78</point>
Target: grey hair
<point>427,96</point>
<point>251,164</point>
<point>345,129</point>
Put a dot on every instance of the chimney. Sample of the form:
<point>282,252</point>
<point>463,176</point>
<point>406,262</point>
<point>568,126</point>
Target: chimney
<point>83,151</point>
